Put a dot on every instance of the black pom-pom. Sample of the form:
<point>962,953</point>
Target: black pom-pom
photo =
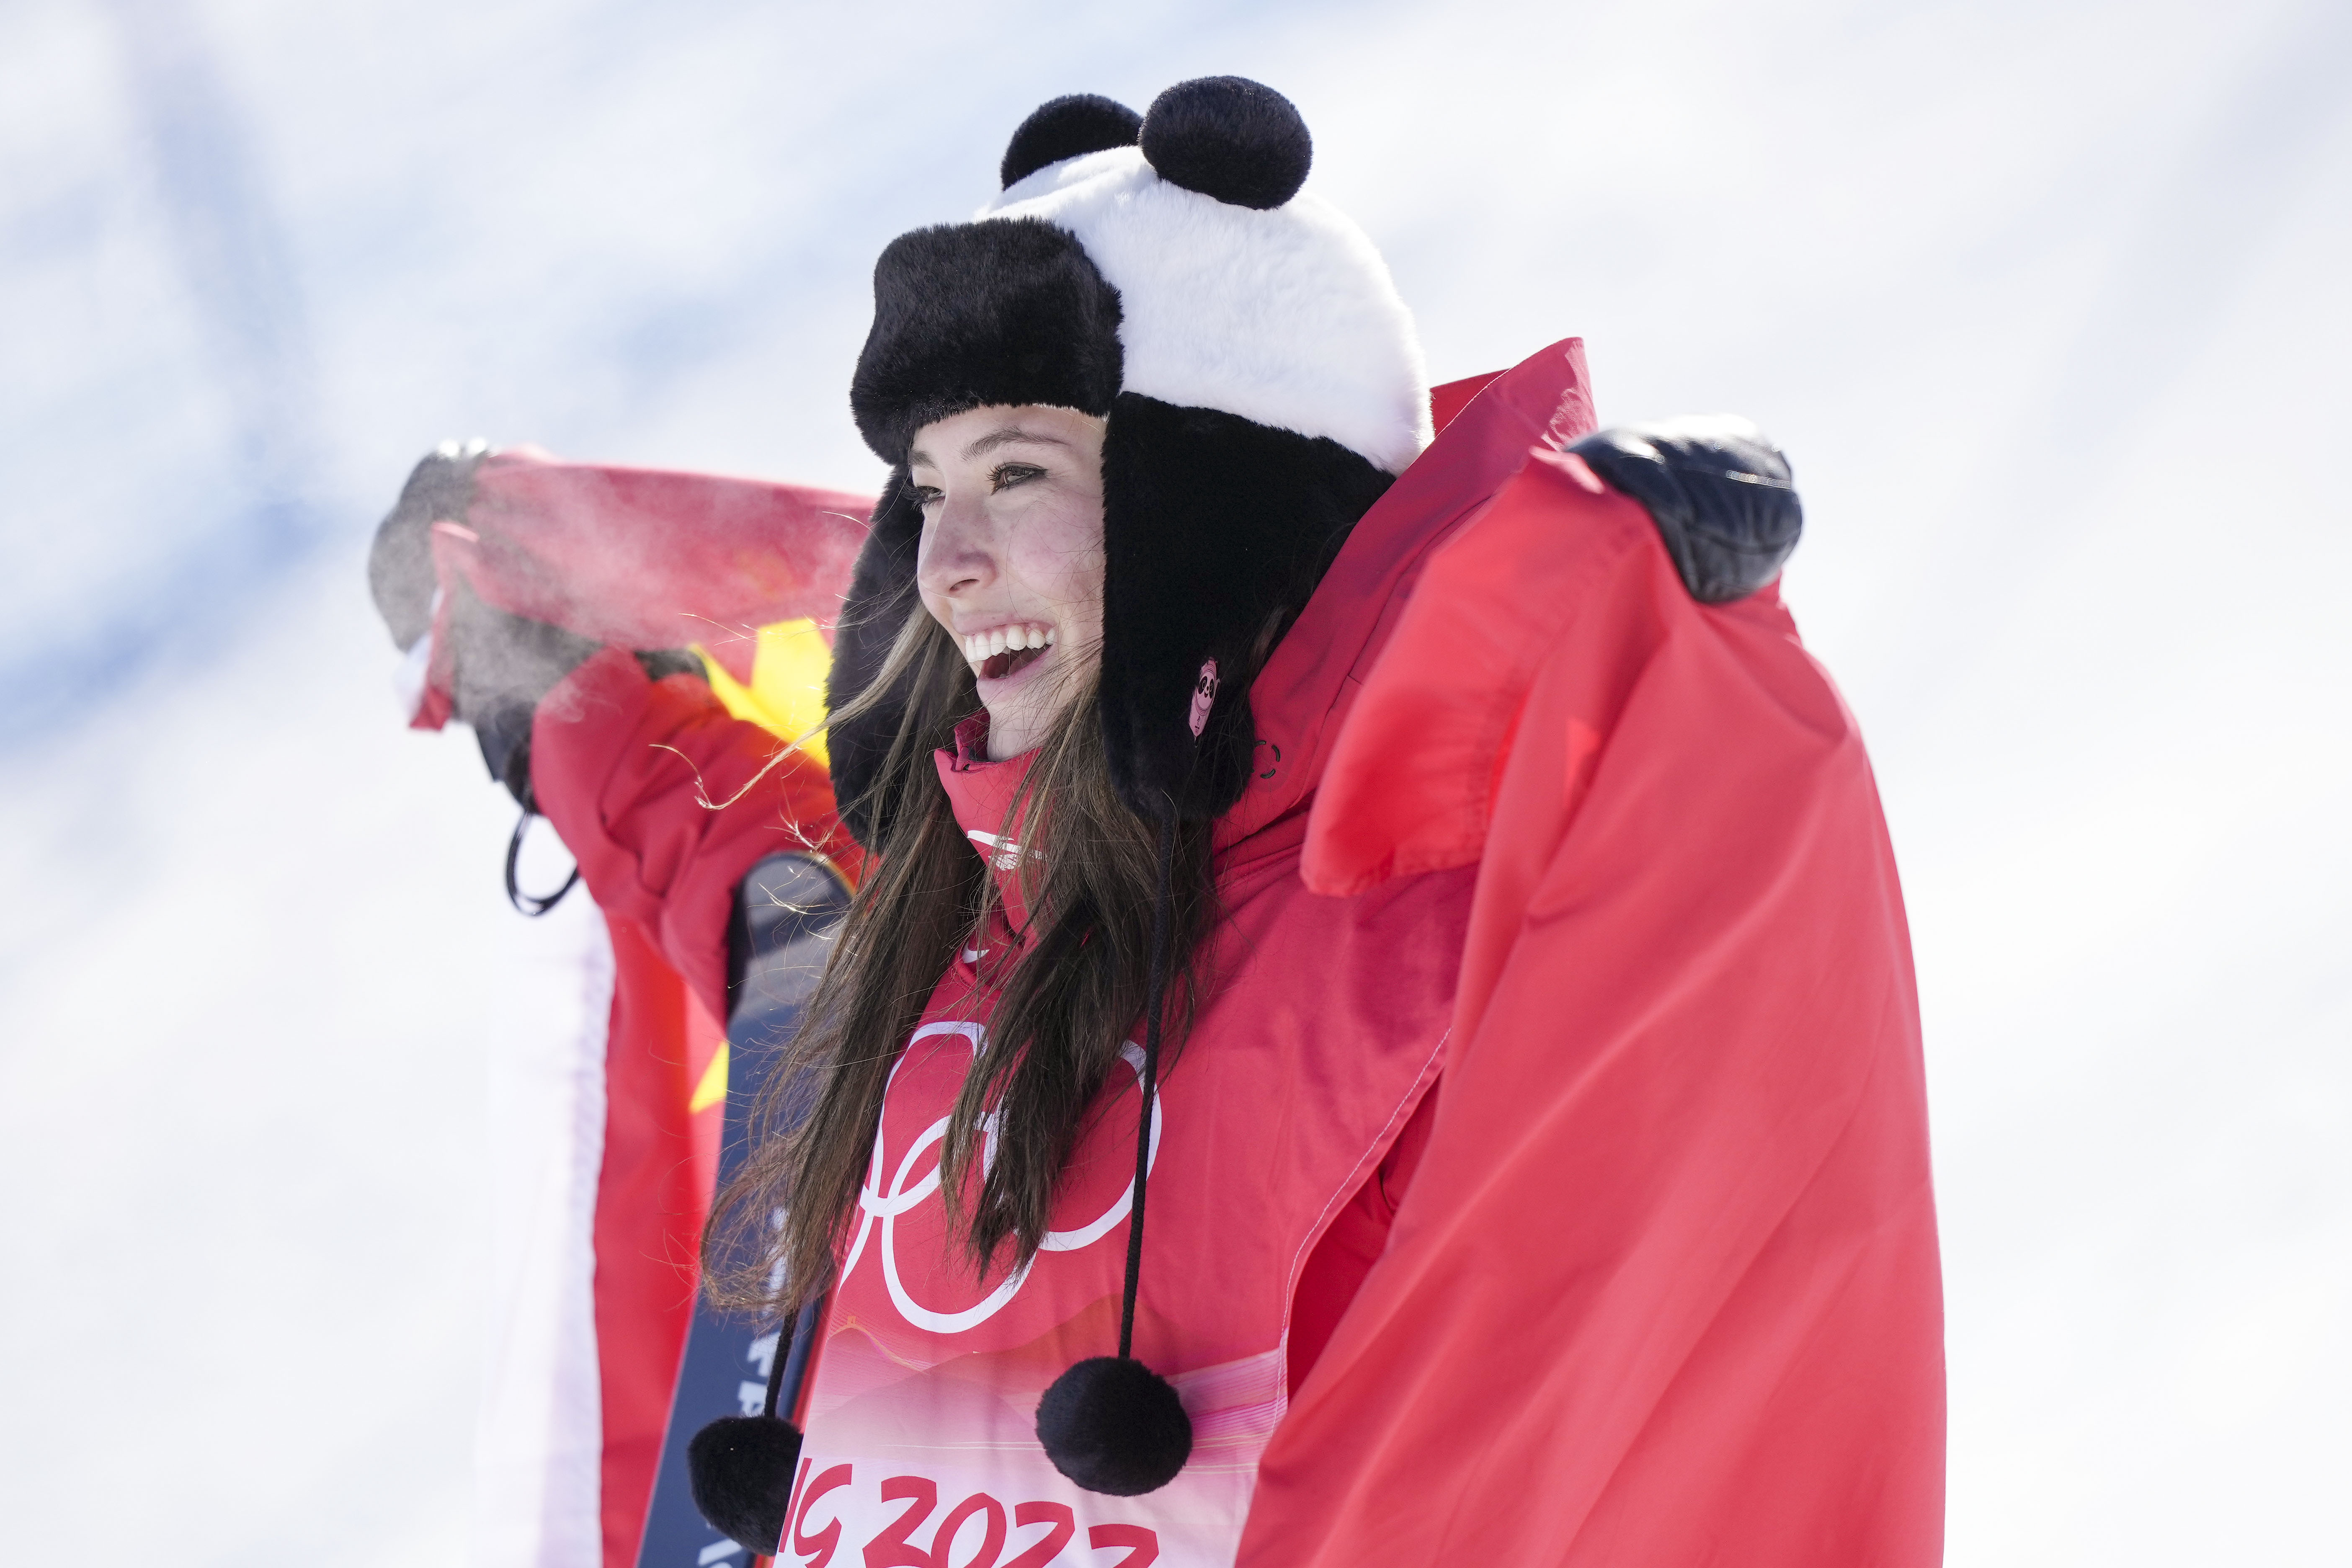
<point>1228,137</point>
<point>1065,128</point>
<point>740,1471</point>
<point>1114,1426</point>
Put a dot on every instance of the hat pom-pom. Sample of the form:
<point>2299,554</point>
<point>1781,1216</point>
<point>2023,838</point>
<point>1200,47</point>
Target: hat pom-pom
<point>1112,1424</point>
<point>1231,138</point>
<point>1067,127</point>
<point>740,1470</point>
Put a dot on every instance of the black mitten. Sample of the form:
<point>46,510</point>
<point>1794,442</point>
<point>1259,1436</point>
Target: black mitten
<point>506,665</point>
<point>1718,490</point>
<point>399,563</point>
<point>502,665</point>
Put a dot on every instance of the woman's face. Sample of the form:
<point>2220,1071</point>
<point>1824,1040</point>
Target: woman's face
<point>1012,557</point>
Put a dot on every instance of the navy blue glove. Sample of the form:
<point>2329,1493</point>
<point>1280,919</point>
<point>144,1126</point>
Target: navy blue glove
<point>1718,490</point>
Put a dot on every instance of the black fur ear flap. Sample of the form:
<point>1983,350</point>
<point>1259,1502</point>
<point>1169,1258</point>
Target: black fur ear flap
<point>1231,138</point>
<point>1215,531</point>
<point>881,593</point>
<point>1067,127</point>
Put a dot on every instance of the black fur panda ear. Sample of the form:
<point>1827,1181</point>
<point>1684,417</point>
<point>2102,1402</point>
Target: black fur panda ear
<point>1065,128</point>
<point>1228,137</point>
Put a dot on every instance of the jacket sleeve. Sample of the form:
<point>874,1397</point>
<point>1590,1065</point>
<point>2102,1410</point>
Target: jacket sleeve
<point>1665,1289</point>
<point>666,801</point>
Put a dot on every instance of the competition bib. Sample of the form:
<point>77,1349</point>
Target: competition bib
<point>921,1445</point>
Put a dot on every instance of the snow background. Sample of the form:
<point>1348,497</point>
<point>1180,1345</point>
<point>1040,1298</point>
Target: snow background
<point>2046,301</point>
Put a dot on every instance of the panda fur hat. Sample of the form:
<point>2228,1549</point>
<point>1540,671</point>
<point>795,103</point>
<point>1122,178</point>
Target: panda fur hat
<point>1259,379</point>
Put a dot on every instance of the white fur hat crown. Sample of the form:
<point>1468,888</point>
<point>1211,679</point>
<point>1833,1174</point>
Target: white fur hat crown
<point>1230,288</point>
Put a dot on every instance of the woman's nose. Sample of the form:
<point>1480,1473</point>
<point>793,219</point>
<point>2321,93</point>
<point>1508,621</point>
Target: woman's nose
<point>958,551</point>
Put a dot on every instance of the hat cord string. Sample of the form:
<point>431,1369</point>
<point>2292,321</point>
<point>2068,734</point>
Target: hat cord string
<point>790,1367</point>
<point>1151,1082</point>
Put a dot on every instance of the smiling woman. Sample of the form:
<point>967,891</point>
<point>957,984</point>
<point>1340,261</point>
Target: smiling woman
<point>1106,514</point>
<point>1396,832</point>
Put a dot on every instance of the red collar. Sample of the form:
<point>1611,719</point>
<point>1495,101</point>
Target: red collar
<point>982,794</point>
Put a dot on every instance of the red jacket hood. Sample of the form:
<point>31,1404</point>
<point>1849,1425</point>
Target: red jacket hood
<point>1300,701</point>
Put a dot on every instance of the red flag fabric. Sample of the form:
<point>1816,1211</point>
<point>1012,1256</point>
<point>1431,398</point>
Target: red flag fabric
<point>658,558</point>
<point>666,801</point>
<point>653,1191</point>
<point>624,767</point>
<point>641,558</point>
<point>1665,1288</point>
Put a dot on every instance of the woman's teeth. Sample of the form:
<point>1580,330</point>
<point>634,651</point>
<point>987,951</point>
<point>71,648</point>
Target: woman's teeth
<point>993,655</point>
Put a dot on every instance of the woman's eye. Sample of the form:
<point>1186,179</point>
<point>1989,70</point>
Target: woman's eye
<point>924,495</point>
<point>1007,475</point>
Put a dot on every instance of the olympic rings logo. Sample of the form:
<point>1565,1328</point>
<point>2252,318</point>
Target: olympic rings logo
<point>880,1208</point>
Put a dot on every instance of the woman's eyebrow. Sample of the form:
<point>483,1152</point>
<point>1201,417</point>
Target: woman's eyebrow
<point>1005,437</point>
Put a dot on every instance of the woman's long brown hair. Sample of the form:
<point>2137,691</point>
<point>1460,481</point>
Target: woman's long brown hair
<point>1069,999</point>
